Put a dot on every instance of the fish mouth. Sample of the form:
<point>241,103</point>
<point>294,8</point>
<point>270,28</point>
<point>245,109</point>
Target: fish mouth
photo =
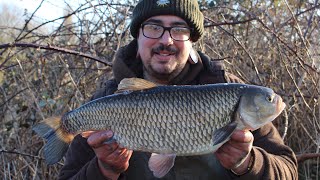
<point>280,104</point>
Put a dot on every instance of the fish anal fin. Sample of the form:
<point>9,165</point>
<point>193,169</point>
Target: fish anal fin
<point>58,139</point>
<point>160,164</point>
<point>134,84</point>
<point>222,135</point>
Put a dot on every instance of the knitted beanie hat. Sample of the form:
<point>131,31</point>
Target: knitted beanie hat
<point>185,9</point>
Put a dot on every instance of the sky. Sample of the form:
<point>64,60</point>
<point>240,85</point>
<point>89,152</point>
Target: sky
<point>49,10</point>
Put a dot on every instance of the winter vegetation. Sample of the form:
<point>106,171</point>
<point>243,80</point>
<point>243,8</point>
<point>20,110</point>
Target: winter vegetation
<point>51,67</point>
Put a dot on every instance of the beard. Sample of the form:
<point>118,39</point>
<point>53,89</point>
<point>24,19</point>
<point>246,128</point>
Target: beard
<point>165,70</point>
<point>164,73</point>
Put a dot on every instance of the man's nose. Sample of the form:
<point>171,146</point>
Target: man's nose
<point>166,38</point>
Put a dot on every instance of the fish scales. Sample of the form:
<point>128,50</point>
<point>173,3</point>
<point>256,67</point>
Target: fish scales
<point>163,119</point>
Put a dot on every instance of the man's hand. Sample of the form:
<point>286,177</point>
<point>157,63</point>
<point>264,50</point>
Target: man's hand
<point>235,154</point>
<point>112,159</point>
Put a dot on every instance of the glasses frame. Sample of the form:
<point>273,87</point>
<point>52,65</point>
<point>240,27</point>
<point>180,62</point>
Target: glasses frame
<point>164,30</point>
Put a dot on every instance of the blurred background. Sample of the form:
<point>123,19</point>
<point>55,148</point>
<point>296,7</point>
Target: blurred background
<point>56,53</point>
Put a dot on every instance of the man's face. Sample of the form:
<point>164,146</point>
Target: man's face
<point>163,58</point>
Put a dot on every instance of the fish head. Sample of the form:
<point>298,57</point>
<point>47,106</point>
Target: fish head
<point>258,106</point>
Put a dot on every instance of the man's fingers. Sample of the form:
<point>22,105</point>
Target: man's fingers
<point>226,152</point>
<point>128,155</point>
<point>119,159</point>
<point>121,156</point>
<point>225,159</point>
<point>241,140</point>
<point>234,152</point>
<point>110,154</point>
<point>86,134</point>
<point>97,139</point>
<point>242,136</point>
<point>125,157</point>
<point>120,152</point>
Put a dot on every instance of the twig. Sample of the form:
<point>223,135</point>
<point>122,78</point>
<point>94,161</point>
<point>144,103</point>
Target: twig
<point>27,22</point>
<point>242,46</point>
<point>9,99</point>
<point>20,153</point>
<point>24,154</point>
<point>25,25</point>
<point>300,60</point>
<point>299,31</point>
<point>78,10</point>
<point>64,17</point>
<point>303,157</point>
<point>228,23</point>
<point>310,21</point>
<point>55,48</point>
<point>24,76</point>
<point>300,13</point>
<point>286,122</point>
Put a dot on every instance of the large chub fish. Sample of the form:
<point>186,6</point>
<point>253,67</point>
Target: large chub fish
<point>167,120</point>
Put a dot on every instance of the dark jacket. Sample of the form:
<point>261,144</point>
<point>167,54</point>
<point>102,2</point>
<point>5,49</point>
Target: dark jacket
<point>272,159</point>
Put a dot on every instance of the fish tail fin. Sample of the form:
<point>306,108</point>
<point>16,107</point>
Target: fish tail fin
<point>58,139</point>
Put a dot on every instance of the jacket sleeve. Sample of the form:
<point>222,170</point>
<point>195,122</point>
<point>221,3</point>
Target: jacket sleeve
<point>272,158</point>
<point>81,162</point>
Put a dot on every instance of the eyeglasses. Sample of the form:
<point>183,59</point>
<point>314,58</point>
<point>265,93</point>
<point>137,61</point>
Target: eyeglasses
<point>154,31</point>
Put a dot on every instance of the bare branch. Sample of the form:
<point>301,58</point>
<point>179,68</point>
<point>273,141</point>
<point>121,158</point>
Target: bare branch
<point>12,97</point>
<point>303,157</point>
<point>27,22</point>
<point>55,48</point>
<point>227,23</point>
<point>24,154</point>
<point>242,46</point>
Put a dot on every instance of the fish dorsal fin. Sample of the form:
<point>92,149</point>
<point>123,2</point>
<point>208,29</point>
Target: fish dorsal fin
<point>134,84</point>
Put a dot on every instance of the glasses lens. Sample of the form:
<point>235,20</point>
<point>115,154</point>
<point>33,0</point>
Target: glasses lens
<point>152,31</point>
<point>180,33</point>
<point>155,31</point>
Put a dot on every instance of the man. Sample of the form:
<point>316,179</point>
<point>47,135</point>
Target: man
<point>162,52</point>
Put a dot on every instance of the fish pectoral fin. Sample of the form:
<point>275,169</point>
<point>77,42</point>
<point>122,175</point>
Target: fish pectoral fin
<point>110,140</point>
<point>134,84</point>
<point>223,134</point>
<point>160,164</point>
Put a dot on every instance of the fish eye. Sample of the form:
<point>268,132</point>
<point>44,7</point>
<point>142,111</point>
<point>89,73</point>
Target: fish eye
<point>270,98</point>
